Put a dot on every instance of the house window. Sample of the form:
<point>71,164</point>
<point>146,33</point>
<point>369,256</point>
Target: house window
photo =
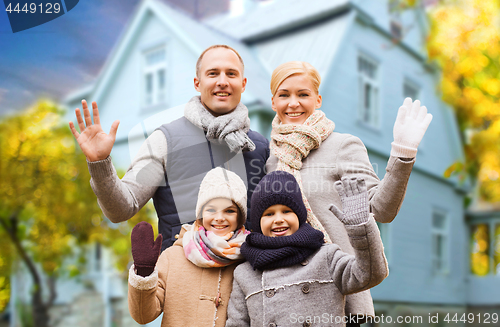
<point>368,90</point>
<point>396,27</point>
<point>496,250</point>
<point>439,242</point>
<point>154,72</point>
<point>95,258</point>
<point>485,248</point>
<point>98,257</point>
<point>396,30</point>
<point>410,90</point>
<point>480,248</point>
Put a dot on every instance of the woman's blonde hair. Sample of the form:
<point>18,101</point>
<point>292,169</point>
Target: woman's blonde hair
<point>283,71</point>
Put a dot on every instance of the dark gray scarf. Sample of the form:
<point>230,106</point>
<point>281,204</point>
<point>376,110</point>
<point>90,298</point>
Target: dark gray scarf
<point>231,128</point>
<point>264,252</point>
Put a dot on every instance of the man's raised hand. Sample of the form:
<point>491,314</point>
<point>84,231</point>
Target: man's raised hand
<point>95,144</point>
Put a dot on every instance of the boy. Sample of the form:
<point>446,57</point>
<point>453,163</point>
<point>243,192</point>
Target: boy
<point>291,276</point>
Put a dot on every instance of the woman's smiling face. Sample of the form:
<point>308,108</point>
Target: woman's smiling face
<point>295,100</point>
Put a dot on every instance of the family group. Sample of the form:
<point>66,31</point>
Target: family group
<point>252,232</point>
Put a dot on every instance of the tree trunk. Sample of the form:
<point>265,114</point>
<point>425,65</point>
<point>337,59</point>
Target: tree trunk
<point>40,309</point>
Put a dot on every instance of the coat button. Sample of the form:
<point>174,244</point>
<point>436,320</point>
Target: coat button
<point>270,293</point>
<point>307,324</point>
<point>218,300</point>
<point>304,263</point>
<point>305,288</point>
<point>272,324</point>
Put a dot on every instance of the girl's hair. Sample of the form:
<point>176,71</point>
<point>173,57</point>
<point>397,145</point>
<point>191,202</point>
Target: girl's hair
<point>241,221</point>
<point>290,68</point>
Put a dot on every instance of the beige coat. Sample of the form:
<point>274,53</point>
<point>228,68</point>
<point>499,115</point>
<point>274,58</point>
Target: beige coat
<point>344,155</point>
<point>185,293</point>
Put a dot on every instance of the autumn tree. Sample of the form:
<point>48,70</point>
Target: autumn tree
<point>47,208</point>
<point>5,265</point>
<point>465,41</point>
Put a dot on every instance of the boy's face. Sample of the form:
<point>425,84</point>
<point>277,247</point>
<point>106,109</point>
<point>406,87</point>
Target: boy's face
<point>220,216</point>
<point>279,220</point>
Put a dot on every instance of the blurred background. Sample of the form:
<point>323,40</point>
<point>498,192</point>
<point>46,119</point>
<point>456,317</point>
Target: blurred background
<point>62,263</point>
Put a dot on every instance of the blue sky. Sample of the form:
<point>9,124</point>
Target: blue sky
<point>52,59</point>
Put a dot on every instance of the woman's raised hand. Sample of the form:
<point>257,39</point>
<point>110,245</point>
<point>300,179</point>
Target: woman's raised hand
<point>95,144</point>
<point>409,129</point>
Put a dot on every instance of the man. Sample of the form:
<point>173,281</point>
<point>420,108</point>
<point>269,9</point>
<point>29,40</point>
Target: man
<point>172,162</point>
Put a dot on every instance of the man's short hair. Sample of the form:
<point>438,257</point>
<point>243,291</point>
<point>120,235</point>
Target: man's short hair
<point>198,63</point>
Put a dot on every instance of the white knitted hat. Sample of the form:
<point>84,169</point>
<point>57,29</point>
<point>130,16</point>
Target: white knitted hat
<point>222,183</point>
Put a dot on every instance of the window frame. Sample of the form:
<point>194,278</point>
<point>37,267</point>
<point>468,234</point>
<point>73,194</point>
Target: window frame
<point>158,95</point>
<point>418,87</point>
<point>364,79</point>
<point>95,258</point>
<point>412,84</point>
<point>444,232</point>
<point>491,222</point>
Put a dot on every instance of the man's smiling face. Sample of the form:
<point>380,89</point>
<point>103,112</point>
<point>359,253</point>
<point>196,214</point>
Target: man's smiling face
<point>220,81</point>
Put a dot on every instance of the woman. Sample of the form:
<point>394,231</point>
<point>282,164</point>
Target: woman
<point>304,144</point>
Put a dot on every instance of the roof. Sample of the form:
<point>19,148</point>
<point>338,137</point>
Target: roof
<point>197,37</point>
<point>317,45</point>
<point>257,90</point>
<point>280,15</point>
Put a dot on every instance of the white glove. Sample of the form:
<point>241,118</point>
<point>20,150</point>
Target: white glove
<point>409,129</point>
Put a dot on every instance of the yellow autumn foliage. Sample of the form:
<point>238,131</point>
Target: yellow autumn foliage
<point>47,208</point>
<point>480,261</point>
<point>465,42</point>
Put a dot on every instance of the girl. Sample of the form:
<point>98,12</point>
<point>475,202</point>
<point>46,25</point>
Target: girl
<point>192,280</point>
<point>293,278</point>
<point>304,143</point>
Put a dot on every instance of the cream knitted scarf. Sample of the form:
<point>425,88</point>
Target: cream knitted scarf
<point>292,143</point>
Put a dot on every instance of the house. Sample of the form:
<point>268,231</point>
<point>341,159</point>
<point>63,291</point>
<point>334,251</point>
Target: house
<point>370,58</point>
<point>483,220</point>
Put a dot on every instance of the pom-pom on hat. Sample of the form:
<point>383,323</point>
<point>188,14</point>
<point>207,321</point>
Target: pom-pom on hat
<point>278,187</point>
<point>222,183</point>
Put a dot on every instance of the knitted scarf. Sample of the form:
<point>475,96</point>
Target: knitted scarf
<point>291,144</point>
<point>207,250</point>
<point>231,128</point>
<point>264,252</point>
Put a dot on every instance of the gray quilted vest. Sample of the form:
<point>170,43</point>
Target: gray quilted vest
<point>189,157</point>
